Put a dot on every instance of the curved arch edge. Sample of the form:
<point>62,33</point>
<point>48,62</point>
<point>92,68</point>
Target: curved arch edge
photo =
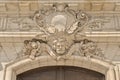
<point>18,67</point>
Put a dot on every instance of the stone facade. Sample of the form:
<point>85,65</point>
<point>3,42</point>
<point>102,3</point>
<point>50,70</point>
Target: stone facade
<point>77,33</point>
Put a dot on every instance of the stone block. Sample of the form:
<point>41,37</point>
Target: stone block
<point>109,6</point>
<point>14,7</point>
<point>34,6</point>
<point>97,6</point>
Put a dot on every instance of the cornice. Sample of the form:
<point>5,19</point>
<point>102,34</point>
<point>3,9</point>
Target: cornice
<point>87,34</point>
<point>24,8</point>
<point>27,8</point>
<point>102,37</point>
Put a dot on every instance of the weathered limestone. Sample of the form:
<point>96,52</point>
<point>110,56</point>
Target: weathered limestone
<point>19,22</point>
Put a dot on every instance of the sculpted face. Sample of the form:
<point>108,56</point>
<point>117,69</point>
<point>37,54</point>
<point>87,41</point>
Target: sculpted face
<point>59,46</point>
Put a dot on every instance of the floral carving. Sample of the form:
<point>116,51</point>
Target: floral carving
<point>89,49</point>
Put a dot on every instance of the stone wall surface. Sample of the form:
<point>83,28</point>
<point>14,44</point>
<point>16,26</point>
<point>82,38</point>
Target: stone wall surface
<point>30,35</point>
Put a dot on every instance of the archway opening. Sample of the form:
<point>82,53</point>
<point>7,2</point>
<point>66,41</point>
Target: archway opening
<point>60,73</point>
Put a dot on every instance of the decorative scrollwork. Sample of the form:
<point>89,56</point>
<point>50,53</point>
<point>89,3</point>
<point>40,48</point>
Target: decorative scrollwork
<point>60,26</point>
<point>60,18</point>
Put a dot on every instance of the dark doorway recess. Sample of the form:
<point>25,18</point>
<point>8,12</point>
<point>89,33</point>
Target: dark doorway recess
<point>60,73</point>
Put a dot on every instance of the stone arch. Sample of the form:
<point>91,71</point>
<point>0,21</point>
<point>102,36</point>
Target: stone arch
<point>20,66</point>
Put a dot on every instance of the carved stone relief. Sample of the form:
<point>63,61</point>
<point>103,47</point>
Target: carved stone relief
<point>60,13</point>
<point>97,24</point>
<point>60,26</point>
